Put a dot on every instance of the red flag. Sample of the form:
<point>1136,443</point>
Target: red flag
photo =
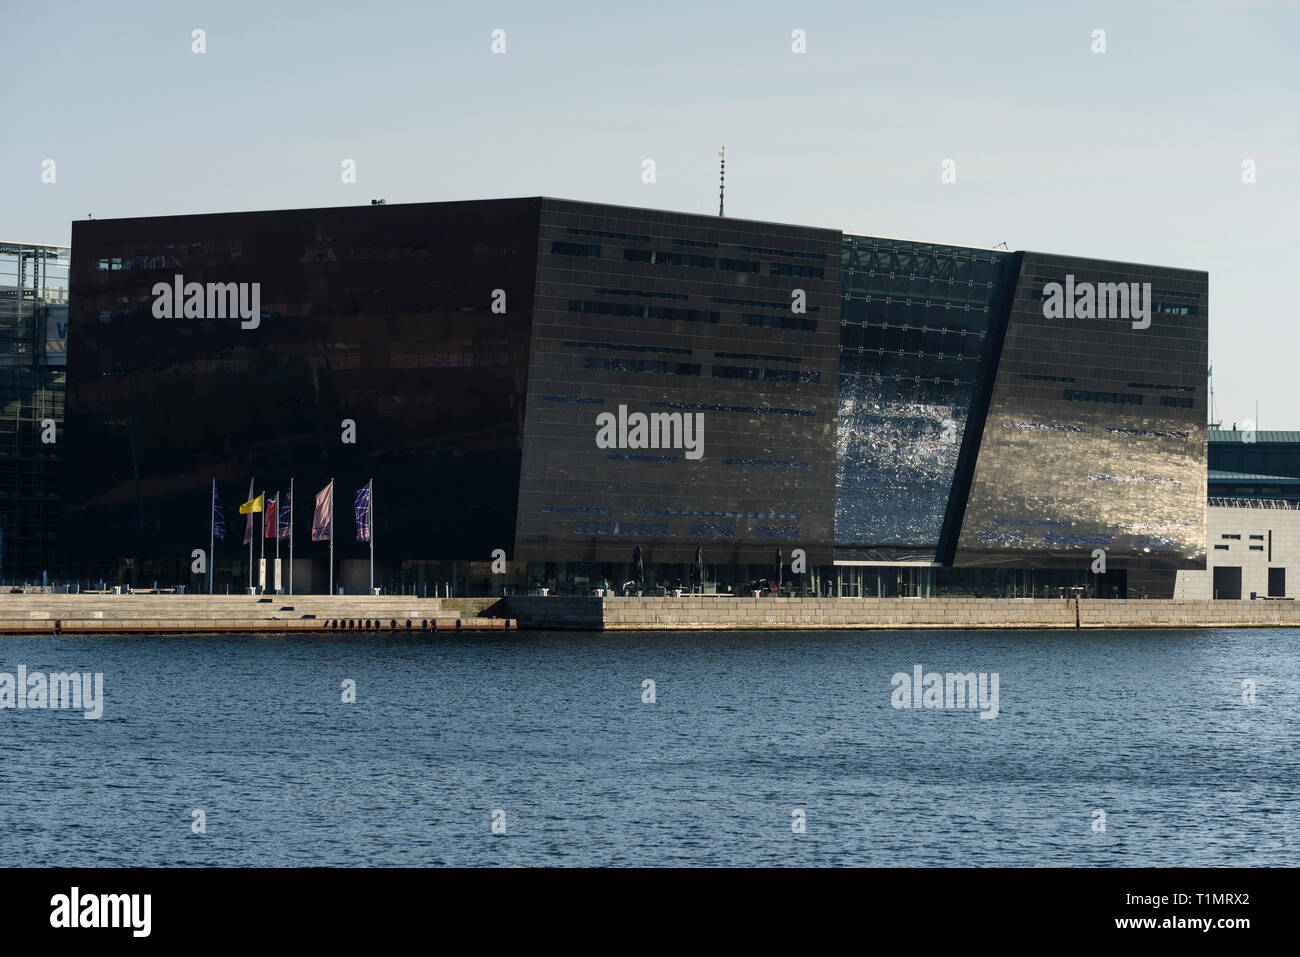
<point>322,521</point>
<point>268,518</point>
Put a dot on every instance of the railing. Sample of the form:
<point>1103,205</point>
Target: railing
<point>1253,503</point>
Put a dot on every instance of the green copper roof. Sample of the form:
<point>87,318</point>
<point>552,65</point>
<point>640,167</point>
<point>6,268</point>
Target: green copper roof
<point>1228,435</point>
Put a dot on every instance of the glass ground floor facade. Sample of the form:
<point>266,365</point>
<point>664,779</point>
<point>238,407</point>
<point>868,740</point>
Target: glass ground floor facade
<point>845,581</point>
<point>470,579</point>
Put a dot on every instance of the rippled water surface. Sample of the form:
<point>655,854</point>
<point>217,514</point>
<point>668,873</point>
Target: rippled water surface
<point>1148,726</point>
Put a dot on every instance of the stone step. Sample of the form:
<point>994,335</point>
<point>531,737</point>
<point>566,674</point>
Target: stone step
<point>260,625</point>
<point>223,608</point>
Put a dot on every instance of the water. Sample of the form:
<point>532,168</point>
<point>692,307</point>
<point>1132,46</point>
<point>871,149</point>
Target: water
<point>1149,726</point>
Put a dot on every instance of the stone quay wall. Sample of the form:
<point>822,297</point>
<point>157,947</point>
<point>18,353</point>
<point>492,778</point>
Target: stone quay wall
<point>722,613</point>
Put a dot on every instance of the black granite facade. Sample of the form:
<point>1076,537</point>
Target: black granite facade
<point>382,315</point>
<point>682,315</point>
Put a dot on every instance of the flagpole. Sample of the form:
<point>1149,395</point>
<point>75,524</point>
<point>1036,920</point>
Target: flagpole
<point>261,540</point>
<point>251,496</point>
<point>372,535</point>
<point>290,536</point>
<point>332,517</point>
<point>276,532</point>
<point>212,532</point>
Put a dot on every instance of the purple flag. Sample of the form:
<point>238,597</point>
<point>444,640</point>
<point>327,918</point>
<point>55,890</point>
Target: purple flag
<point>218,519</point>
<point>284,530</point>
<point>362,505</point>
<point>322,522</point>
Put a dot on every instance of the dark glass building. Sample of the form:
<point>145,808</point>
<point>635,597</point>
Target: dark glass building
<point>568,382</point>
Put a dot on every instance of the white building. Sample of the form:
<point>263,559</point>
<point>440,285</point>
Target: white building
<point>1253,551</point>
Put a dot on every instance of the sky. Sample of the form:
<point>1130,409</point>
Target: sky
<point>1135,154</point>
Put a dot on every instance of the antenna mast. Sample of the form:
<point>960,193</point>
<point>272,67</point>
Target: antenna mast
<point>722,178</point>
<point>1214,413</point>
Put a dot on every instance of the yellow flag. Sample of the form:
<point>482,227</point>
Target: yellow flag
<point>254,506</point>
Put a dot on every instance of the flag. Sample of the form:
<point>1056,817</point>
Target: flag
<point>268,518</point>
<point>285,511</point>
<point>244,510</point>
<point>253,505</point>
<point>218,520</point>
<point>362,505</point>
<point>322,521</point>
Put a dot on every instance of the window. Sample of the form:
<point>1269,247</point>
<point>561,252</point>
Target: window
<point>621,347</point>
<point>770,375</point>
<point>626,237</point>
<point>647,366</point>
<point>591,251</point>
<point>644,311</point>
<point>1157,385</point>
<point>779,322</point>
<point>1048,378</point>
<point>802,272</point>
<point>1115,398</point>
<point>788,253</point>
<point>662,258</point>
<point>755,355</point>
<point>785,306</point>
<point>643,293</point>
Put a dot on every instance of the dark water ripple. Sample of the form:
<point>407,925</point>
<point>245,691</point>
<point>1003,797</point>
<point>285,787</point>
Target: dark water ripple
<point>1148,726</point>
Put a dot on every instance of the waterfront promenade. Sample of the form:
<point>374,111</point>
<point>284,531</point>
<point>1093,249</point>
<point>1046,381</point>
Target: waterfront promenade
<point>207,614</point>
<point>204,614</point>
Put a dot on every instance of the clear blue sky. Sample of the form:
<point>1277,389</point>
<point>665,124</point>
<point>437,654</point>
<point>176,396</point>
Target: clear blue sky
<point>1134,154</point>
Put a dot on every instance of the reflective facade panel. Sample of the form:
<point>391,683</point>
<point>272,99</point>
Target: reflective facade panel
<point>1095,436</point>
